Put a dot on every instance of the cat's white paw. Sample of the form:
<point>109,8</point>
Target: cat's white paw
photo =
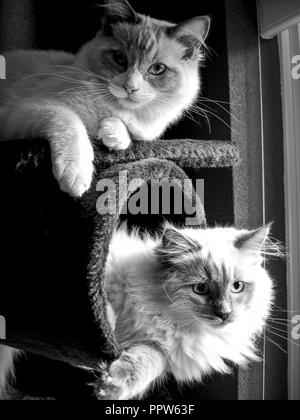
<point>74,171</point>
<point>106,388</point>
<point>114,134</point>
<point>114,382</point>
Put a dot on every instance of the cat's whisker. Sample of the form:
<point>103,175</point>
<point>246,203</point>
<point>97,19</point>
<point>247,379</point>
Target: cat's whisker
<point>220,119</point>
<point>279,309</point>
<point>192,119</point>
<point>207,120</point>
<point>89,93</point>
<point>81,89</point>
<point>282,337</point>
<point>285,331</point>
<point>283,324</point>
<point>204,99</point>
<point>189,116</point>
<point>201,112</point>
<point>59,76</point>
<point>287,320</point>
<point>92,74</point>
<point>89,73</point>
<point>275,344</point>
<point>101,95</point>
<point>221,106</point>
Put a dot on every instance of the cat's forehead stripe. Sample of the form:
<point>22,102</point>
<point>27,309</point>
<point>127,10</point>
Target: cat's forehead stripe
<point>142,41</point>
<point>216,272</point>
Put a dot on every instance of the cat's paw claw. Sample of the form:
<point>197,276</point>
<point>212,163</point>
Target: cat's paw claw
<point>114,134</point>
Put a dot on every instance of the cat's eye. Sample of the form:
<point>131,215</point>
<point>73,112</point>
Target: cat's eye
<point>120,58</point>
<point>157,69</point>
<point>238,287</point>
<point>201,289</point>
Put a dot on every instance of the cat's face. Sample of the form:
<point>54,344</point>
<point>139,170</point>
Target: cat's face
<point>215,276</point>
<point>145,61</point>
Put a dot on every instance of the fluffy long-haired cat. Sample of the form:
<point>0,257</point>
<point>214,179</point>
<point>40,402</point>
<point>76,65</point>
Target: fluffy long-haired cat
<point>185,304</point>
<point>135,78</point>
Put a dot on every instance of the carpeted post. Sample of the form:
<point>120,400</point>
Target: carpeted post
<point>54,247</point>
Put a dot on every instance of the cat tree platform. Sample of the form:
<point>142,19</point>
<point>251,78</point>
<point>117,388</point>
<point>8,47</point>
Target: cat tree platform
<point>54,248</point>
<point>184,153</point>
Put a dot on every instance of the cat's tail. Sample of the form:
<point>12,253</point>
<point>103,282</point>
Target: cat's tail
<point>7,356</point>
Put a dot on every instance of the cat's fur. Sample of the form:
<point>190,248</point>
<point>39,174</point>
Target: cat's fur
<point>106,92</point>
<point>163,325</point>
<point>7,356</point>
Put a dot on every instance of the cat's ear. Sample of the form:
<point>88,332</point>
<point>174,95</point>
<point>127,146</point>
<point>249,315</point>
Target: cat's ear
<point>193,30</point>
<point>119,11</point>
<point>253,241</point>
<point>175,246</point>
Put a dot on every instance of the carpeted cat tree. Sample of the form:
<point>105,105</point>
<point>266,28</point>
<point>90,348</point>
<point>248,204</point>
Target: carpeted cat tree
<point>54,248</point>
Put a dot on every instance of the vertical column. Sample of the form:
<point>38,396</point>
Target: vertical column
<point>16,24</point>
<point>290,68</point>
<point>244,79</point>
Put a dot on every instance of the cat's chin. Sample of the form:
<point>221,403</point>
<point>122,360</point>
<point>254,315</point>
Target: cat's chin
<point>130,103</point>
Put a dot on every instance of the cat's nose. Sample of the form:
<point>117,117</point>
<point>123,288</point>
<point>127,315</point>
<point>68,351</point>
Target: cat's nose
<point>130,88</point>
<point>222,315</point>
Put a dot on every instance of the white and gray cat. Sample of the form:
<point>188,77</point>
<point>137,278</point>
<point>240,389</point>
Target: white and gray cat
<point>184,304</point>
<point>134,79</point>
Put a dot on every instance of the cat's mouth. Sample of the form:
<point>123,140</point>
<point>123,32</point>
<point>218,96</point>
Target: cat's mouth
<point>216,322</point>
<point>131,101</point>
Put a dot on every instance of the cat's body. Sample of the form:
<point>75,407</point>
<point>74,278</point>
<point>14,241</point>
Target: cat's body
<point>164,326</point>
<point>184,303</point>
<point>134,79</point>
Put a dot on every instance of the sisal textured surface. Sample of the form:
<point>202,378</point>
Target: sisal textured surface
<point>194,154</point>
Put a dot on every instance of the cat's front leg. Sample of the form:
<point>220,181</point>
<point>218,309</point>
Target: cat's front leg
<point>71,149</point>
<point>114,134</point>
<point>131,375</point>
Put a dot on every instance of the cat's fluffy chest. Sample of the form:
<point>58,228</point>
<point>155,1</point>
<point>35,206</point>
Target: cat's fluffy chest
<point>190,354</point>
